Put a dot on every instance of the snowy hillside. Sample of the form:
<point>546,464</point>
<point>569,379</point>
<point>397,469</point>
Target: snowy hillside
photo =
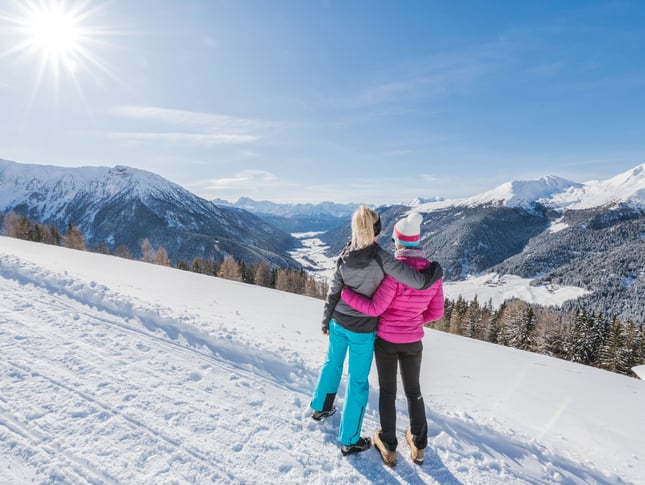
<point>116,371</point>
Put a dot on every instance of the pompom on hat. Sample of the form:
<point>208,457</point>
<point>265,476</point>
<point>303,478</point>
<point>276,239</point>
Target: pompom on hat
<point>407,232</point>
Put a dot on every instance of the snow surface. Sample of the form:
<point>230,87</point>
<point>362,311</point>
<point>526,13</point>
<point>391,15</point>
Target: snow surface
<point>117,371</point>
<point>639,370</point>
<point>498,288</point>
<point>558,225</point>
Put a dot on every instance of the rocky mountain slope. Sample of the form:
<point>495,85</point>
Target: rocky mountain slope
<point>122,206</point>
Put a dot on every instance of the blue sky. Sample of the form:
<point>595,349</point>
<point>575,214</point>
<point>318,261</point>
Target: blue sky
<point>348,101</point>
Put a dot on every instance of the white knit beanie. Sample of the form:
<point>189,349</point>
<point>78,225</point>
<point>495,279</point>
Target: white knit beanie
<point>407,232</point>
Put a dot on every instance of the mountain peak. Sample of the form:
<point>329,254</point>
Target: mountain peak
<point>627,187</point>
<point>522,193</point>
<point>556,192</point>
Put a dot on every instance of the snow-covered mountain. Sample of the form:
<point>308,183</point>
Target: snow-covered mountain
<point>122,206</point>
<point>117,371</point>
<point>289,210</point>
<point>556,193</point>
<point>292,218</point>
<point>627,188</point>
<point>523,193</point>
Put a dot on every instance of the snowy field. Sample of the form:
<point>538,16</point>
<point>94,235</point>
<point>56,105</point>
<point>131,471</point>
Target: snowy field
<point>498,288</point>
<point>117,371</point>
<point>312,255</point>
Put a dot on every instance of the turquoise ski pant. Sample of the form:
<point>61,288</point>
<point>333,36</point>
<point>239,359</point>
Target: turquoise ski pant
<point>361,351</point>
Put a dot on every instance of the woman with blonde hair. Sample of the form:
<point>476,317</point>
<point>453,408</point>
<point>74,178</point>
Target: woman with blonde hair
<point>361,266</point>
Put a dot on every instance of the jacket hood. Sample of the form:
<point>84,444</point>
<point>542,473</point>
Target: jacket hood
<point>413,257</point>
<point>359,258</point>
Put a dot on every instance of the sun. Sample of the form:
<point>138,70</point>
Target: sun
<point>58,35</point>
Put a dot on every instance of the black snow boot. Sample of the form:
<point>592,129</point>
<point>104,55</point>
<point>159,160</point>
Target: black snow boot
<point>361,445</point>
<point>320,415</point>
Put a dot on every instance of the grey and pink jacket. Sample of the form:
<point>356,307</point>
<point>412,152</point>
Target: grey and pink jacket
<point>402,310</point>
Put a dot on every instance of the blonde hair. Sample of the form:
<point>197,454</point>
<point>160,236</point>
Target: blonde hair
<point>363,221</point>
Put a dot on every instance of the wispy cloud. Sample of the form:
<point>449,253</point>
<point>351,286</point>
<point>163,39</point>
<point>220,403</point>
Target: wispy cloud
<point>188,118</point>
<point>434,76</point>
<point>189,127</point>
<point>206,139</point>
<point>244,179</point>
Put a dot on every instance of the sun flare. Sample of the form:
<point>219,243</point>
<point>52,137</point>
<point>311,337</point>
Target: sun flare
<point>57,34</point>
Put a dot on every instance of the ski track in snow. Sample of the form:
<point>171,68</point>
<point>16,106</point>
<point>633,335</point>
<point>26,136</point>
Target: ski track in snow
<point>123,413</point>
<point>98,387</point>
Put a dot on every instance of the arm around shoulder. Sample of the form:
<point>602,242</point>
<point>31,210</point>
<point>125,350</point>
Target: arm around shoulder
<point>401,271</point>
<point>375,305</point>
<point>419,280</point>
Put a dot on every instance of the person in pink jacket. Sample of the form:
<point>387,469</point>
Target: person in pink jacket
<point>403,312</point>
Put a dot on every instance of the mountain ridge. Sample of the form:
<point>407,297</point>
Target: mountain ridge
<point>121,206</point>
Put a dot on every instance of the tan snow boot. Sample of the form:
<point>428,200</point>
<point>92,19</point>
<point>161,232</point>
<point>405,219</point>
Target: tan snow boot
<point>415,453</point>
<point>389,457</point>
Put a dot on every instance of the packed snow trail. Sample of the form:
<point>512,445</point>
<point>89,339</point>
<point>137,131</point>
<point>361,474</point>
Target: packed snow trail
<point>130,398</point>
<point>115,371</point>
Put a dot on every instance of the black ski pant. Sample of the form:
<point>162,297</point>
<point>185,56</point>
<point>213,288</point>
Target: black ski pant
<point>408,356</point>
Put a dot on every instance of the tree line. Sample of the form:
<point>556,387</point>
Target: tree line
<point>293,280</point>
<point>576,334</point>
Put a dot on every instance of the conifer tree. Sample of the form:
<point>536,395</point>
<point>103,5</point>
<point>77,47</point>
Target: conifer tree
<point>102,248</point>
<point>230,270</point>
<point>631,346</point>
<point>519,325</point>
<point>282,280</point>
<point>147,251</point>
<point>472,319</point>
<point>52,235</point>
<point>311,287</point>
<point>122,251</point>
<point>612,352</point>
<point>196,266</point>
<point>74,238</point>
<point>262,275</point>
<point>16,226</point>
<point>457,316</point>
<point>161,257</point>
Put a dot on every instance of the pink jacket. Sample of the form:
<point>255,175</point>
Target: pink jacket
<point>402,310</point>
